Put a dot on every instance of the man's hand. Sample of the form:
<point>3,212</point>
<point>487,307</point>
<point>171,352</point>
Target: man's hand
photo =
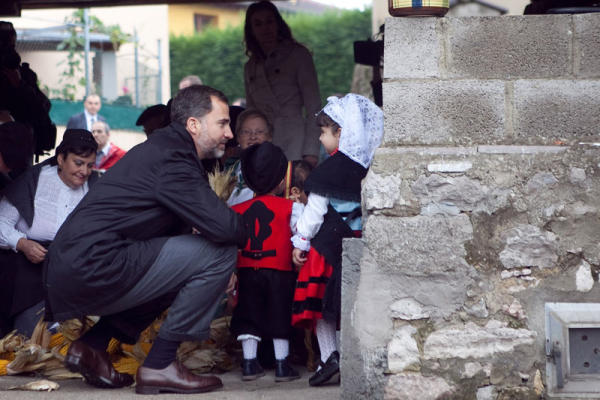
<point>298,258</point>
<point>231,285</point>
<point>34,251</point>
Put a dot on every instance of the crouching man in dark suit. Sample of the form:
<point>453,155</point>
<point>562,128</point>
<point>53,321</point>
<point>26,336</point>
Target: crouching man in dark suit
<point>120,253</point>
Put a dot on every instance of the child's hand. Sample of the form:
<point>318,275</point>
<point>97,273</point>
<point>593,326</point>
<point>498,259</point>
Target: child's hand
<point>298,257</point>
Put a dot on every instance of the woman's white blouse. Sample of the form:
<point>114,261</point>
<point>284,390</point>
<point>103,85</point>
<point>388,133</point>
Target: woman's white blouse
<point>53,202</point>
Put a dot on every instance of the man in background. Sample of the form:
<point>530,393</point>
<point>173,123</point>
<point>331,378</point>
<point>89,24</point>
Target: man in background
<point>189,80</point>
<point>86,119</point>
<point>108,153</point>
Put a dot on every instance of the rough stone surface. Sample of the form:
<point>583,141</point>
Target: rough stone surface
<point>415,42</point>
<point>364,354</point>
<point>460,166</point>
<point>509,47</point>
<point>577,175</point>
<point>568,107</point>
<point>408,309</point>
<point>515,310</point>
<point>475,342</point>
<point>416,386</point>
<point>478,310</point>
<point>463,193</point>
<point>424,257</point>
<point>471,369</point>
<point>527,245</point>
<point>487,393</point>
<point>587,45</point>
<point>381,191</point>
<point>402,350</point>
<point>584,281</point>
<point>417,112</point>
<point>541,180</point>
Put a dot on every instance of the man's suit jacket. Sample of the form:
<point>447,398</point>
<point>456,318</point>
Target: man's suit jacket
<point>78,121</point>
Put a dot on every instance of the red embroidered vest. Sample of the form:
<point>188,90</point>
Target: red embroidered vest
<point>270,245</point>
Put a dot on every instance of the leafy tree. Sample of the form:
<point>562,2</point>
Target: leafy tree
<point>74,45</point>
<point>217,56</point>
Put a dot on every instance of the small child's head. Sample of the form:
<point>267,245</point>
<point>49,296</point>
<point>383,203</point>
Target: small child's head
<point>330,132</point>
<point>361,121</point>
<point>300,171</point>
<point>263,168</point>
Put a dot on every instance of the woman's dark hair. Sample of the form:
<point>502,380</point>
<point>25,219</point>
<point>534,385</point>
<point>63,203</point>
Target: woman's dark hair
<point>77,141</point>
<point>300,171</point>
<point>82,151</point>
<point>283,30</point>
<point>325,120</point>
<point>252,113</point>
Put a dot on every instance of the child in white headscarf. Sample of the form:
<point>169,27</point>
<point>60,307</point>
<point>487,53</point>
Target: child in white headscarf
<point>351,130</point>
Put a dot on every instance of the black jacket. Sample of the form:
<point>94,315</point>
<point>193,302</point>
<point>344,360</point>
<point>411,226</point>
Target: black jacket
<point>114,235</point>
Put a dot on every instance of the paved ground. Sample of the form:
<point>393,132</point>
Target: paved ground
<point>263,388</point>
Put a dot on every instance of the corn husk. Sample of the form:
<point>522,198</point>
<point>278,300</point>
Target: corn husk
<point>222,182</point>
<point>11,343</point>
<point>3,364</point>
<point>127,365</point>
<point>30,357</point>
<point>201,361</point>
<point>43,385</point>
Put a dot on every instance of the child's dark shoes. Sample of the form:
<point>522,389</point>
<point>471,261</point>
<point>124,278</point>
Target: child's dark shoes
<point>284,372</point>
<point>251,370</point>
<point>328,372</point>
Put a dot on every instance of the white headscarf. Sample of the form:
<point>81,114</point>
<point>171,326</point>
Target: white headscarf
<point>361,121</point>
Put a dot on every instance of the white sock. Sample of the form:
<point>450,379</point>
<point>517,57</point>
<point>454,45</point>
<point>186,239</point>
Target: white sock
<point>282,348</point>
<point>249,347</point>
<point>325,331</point>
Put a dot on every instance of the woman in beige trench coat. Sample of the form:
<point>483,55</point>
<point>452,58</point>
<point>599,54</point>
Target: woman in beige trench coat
<point>281,81</point>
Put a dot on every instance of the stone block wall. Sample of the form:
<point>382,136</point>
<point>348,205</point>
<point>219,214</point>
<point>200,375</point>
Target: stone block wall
<point>482,204</point>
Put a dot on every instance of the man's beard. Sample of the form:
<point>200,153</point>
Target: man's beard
<point>207,151</point>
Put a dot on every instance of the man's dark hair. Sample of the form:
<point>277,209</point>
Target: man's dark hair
<point>325,120</point>
<point>16,145</point>
<point>194,101</point>
<point>300,171</point>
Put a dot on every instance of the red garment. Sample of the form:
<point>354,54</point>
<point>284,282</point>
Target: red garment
<point>310,290</point>
<point>114,154</point>
<point>270,246</point>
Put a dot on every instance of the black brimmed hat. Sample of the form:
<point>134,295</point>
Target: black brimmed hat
<point>155,110</point>
<point>77,138</point>
<point>263,167</point>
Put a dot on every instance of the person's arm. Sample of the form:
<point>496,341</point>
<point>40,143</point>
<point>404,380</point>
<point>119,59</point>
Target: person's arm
<point>311,98</point>
<point>9,235</point>
<point>310,221</point>
<point>297,210</point>
<point>249,99</point>
<point>183,189</point>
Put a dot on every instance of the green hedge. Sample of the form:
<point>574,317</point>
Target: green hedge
<point>217,56</point>
<point>117,116</point>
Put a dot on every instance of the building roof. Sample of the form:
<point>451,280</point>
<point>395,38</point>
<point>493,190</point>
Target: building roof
<point>14,7</point>
<point>49,38</point>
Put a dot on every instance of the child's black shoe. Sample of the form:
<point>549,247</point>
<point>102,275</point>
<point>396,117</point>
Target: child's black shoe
<point>251,370</point>
<point>328,371</point>
<point>284,372</point>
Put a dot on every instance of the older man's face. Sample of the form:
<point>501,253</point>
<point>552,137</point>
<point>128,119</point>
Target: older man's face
<point>100,134</point>
<point>92,104</point>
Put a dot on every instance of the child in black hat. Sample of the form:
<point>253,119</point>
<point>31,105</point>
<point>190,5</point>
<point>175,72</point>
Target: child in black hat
<point>265,273</point>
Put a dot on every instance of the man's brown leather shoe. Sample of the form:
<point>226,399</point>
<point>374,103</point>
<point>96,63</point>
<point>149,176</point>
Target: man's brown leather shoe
<point>174,379</point>
<point>95,366</point>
